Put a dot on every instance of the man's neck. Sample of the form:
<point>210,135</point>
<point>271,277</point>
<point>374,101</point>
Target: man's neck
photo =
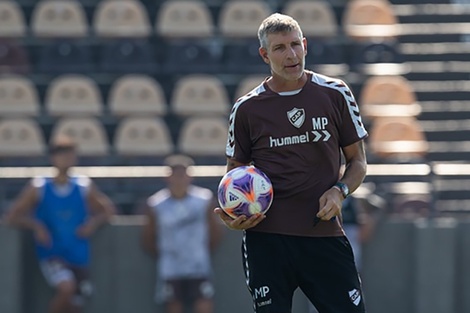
<point>279,85</point>
<point>61,178</point>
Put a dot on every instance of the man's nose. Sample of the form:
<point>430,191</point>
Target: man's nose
<point>291,52</point>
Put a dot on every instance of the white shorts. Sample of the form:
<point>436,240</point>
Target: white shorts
<point>56,272</point>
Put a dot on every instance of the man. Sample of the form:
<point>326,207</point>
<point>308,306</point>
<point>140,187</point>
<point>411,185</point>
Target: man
<point>181,232</point>
<point>63,212</point>
<point>294,127</point>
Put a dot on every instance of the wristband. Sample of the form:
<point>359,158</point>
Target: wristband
<point>343,188</point>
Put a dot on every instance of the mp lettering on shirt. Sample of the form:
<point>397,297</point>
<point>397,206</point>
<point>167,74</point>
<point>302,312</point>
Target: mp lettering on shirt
<point>296,139</point>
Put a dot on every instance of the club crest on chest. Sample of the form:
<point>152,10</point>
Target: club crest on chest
<point>296,117</point>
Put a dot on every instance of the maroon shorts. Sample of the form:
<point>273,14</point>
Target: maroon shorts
<point>322,267</point>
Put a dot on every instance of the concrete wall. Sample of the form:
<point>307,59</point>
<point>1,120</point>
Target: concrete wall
<point>409,267</point>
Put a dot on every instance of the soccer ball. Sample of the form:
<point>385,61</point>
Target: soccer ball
<point>245,190</point>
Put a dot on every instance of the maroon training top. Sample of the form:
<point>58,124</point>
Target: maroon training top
<point>295,138</point>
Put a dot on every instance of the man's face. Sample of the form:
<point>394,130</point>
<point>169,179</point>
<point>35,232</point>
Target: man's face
<point>63,160</point>
<point>179,180</point>
<point>285,54</point>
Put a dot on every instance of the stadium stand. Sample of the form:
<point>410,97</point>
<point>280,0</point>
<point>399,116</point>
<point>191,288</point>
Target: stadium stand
<point>137,52</point>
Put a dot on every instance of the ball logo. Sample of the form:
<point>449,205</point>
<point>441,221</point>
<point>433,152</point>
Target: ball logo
<point>232,197</point>
<point>245,190</point>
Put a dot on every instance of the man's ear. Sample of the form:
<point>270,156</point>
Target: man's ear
<point>264,55</point>
<point>304,42</point>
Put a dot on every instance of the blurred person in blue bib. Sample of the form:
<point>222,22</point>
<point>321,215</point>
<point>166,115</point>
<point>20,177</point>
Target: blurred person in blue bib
<point>63,211</point>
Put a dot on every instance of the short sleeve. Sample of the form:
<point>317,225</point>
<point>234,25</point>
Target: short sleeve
<point>239,139</point>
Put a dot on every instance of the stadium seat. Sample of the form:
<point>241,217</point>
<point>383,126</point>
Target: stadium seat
<point>326,56</point>
<point>186,29</point>
<point>377,58</point>
<point>137,95</point>
<point>242,57</point>
<point>397,138</point>
<point>12,20</point>
<point>73,95</point>
<point>116,18</point>
<point>58,18</point>
<point>241,19</point>
<point>21,137</point>
<point>127,55</point>
<point>13,57</point>
<point>199,94</point>
<point>18,97</point>
<point>87,132</point>
<point>184,19</point>
<point>388,96</point>
<point>316,18</point>
<point>247,84</point>
<point>143,136</point>
<point>65,56</point>
<point>203,136</point>
<point>370,19</point>
<point>188,56</point>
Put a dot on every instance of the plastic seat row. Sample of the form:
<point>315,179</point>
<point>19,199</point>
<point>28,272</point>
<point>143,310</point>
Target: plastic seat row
<point>71,94</point>
<point>391,138</point>
<point>192,18</point>
<point>134,136</point>
<point>199,94</point>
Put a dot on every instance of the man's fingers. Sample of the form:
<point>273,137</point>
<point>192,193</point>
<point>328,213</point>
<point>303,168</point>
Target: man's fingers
<point>241,222</point>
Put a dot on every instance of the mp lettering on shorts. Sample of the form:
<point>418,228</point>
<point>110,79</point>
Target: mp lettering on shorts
<point>261,292</point>
<point>319,129</point>
<point>296,117</point>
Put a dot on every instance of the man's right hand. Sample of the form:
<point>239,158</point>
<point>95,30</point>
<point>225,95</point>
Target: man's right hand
<point>241,222</point>
<point>42,236</point>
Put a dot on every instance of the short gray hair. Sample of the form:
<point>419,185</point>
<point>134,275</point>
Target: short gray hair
<point>276,23</point>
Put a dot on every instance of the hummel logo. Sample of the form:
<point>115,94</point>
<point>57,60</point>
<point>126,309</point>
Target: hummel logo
<point>318,135</point>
